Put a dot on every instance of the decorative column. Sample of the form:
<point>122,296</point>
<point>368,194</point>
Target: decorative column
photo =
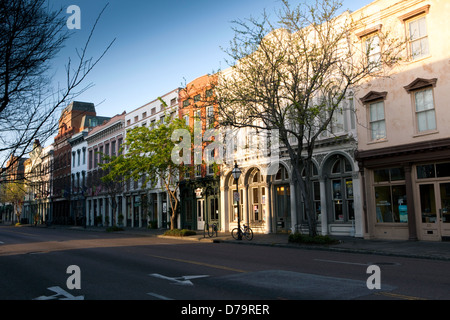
<point>412,227</point>
<point>323,205</point>
<point>294,218</point>
<point>357,203</point>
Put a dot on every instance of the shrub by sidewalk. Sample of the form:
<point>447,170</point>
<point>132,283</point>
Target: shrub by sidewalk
<point>307,239</point>
<point>180,233</point>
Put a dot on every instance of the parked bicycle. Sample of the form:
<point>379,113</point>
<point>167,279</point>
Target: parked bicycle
<point>210,229</point>
<point>246,232</point>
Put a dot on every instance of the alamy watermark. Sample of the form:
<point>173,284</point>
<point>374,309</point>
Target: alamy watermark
<point>374,280</point>
<point>74,21</point>
<point>74,280</point>
<point>224,147</point>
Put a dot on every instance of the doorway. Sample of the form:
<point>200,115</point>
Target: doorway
<point>200,214</point>
<point>434,209</point>
<point>283,208</point>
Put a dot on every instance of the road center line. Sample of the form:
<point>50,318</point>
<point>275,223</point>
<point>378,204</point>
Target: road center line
<point>199,263</point>
<point>399,296</point>
<point>342,262</point>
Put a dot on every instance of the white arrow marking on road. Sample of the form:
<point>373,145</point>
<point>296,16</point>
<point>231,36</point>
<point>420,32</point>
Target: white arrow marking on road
<point>184,280</point>
<point>59,292</point>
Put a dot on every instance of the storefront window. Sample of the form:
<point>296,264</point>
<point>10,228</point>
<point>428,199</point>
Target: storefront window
<point>438,170</point>
<point>428,203</point>
<point>390,195</point>
<point>316,193</point>
<point>342,190</point>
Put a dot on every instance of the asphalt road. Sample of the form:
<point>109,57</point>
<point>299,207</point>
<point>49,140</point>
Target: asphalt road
<point>34,265</point>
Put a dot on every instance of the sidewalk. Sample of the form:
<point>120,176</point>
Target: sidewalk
<point>412,249</point>
<point>402,248</point>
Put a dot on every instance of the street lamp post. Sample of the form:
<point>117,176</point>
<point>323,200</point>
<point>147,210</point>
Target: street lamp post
<point>236,172</point>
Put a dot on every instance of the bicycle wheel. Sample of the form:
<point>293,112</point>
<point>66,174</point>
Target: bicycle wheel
<point>211,230</point>
<point>235,233</point>
<point>248,234</point>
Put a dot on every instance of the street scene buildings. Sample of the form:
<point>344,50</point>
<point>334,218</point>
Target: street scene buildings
<point>381,169</point>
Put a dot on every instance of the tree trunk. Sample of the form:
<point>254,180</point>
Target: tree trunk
<point>304,192</point>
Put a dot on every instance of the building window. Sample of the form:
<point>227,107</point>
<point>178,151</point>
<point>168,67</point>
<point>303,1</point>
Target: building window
<point>425,113</point>
<point>95,158</point>
<point>198,115</point>
<point>198,170</point>
<point>119,146</point>
<point>210,162</point>
<point>113,148</point>
<point>390,195</point>
<point>373,52</point>
<point>438,170</point>
<point>314,177</point>
<point>418,38</point>
<point>214,208</point>
<point>342,190</point>
<point>377,123</point>
<point>337,121</point>
<point>209,117</point>
<point>100,156</point>
<point>90,159</point>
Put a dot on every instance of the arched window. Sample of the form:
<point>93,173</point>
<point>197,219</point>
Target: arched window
<point>315,188</point>
<point>342,190</point>
<point>282,198</point>
<point>257,194</point>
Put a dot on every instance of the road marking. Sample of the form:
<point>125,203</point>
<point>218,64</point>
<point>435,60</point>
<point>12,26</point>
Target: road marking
<point>158,296</point>
<point>199,263</point>
<point>184,280</point>
<point>59,292</point>
<point>342,262</point>
<point>399,296</point>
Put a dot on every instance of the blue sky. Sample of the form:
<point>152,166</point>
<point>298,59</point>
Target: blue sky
<point>159,45</point>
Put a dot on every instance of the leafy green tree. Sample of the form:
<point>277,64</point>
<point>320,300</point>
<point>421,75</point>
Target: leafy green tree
<point>14,193</point>
<point>148,154</point>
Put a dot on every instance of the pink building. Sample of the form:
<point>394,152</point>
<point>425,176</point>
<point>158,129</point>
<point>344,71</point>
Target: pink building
<point>404,124</point>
